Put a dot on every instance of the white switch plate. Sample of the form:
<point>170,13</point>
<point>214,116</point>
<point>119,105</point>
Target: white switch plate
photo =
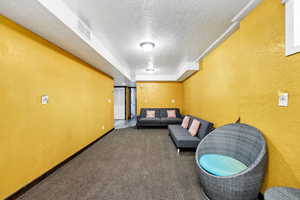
<point>103,127</point>
<point>109,100</point>
<point>283,99</point>
<point>45,99</point>
<point>173,100</point>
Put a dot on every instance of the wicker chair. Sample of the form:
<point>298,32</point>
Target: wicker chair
<point>244,143</point>
<point>282,193</point>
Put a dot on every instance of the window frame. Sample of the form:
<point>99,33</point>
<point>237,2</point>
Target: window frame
<point>289,28</point>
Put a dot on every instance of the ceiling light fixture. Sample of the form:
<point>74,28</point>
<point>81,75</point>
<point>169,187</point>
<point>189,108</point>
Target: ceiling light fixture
<point>150,69</point>
<point>147,46</point>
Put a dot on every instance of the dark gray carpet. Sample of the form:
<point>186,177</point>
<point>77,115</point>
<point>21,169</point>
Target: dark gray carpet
<point>126,164</point>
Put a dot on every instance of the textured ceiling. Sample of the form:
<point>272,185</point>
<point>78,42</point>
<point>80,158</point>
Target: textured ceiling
<point>181,29</point>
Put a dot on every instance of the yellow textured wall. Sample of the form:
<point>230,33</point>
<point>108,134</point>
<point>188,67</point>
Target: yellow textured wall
<point>35,137</point>
<point>212,92</point>
<point>159,95</point>
<point>242,78</point>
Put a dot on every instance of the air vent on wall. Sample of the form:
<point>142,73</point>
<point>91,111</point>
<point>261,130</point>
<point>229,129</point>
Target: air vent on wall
<point>84,30</point>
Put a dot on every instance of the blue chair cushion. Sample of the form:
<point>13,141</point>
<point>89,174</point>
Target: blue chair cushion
<point>220,165</point>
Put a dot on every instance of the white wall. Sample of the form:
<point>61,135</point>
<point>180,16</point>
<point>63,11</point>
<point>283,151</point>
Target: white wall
<point>133,102</point>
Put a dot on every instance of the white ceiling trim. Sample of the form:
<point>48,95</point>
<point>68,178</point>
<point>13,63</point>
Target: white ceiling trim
<point>184,72</point>
<point>231,29</point>
<point>141,78</point>
<point>63,13</point>
<point>188,70</point>
<point>246,10</point>
<point>284,1</point>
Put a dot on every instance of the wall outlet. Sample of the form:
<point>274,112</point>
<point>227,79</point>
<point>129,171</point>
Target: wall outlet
<point>283,99</point>
<point>173,100</point>
<point>103,127</point>
<point>44,99</point>
<point>109,100</point>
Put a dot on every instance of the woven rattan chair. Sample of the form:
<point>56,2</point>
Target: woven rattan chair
<point>282,193</point>
<point>241,142</point>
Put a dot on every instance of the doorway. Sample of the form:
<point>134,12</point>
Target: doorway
<point>124,107</point>
<point>119,103</point>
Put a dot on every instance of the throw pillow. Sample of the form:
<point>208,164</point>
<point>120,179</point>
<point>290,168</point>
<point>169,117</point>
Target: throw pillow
<point>150,114</point>
<point>171,113</point>
<point>185,122</point>
<point>193,130</point>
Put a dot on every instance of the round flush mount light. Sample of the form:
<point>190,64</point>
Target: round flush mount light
<point>150,70</point>
<point>147,46</point>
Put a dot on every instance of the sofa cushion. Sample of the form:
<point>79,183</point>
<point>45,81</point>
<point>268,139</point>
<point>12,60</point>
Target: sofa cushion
<point>174,128</point>
<point>193,130</point>
<point>145,120</point>
<point>220,165</point>
<point>166,120</point>
<point>182,138</point>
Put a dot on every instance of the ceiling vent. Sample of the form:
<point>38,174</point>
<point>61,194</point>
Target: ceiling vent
<point>84,30</point>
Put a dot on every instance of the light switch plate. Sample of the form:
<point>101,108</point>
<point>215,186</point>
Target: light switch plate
<point>173,100</point>
<point>45,99</point>
<point>283,99</point>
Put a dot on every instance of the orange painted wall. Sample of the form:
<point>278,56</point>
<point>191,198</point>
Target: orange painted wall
<point>159,95</point>
<point>242,78</point>
<point>35,137</point>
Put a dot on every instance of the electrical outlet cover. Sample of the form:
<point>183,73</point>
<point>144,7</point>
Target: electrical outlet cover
<point>283,99</point>
<point>45,99</point>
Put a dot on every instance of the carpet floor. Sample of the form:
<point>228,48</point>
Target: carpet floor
<point>127,164</point>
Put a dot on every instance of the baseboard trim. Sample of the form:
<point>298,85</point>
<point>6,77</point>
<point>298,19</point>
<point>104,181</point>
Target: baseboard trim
<point>27,187</point>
